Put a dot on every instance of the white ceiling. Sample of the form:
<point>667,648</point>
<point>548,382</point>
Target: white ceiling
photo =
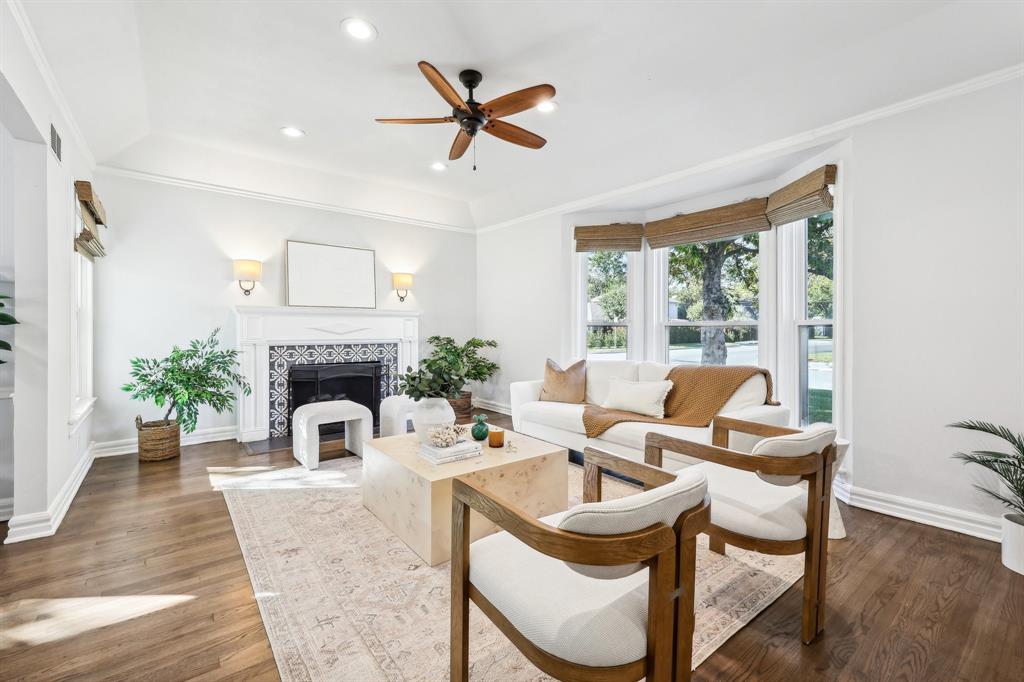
<point>644,88</point>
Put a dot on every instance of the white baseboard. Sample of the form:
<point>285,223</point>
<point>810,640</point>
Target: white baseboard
<point>45,523</point>
<point>129,446</point>
<point>6,508</point>
<point>485,404</point>
<point>928,513</point>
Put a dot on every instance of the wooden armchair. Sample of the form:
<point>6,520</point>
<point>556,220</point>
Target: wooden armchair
<point>757,500</point>
<point>578,604</point>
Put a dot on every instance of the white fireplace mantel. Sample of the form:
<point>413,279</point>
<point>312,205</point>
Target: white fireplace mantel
<point>259,327</point>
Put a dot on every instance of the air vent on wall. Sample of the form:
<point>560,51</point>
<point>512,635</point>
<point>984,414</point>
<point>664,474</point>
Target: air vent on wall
<point>55,141</point>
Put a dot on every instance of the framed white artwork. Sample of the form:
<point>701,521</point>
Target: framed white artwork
<point>330,276</point>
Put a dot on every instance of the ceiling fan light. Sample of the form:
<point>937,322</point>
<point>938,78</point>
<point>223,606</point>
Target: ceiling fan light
<point>438,166</point>
<point>292,131</point>
<point>359,29</point>
<point>547,106</point>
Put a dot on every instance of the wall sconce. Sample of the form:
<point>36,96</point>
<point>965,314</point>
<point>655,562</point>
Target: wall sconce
<point>248,272</point>
<point>402,282</point>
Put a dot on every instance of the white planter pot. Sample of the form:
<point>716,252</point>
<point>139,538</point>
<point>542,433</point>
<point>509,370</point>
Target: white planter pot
<point>431,413</point>
<point>1013,542</point>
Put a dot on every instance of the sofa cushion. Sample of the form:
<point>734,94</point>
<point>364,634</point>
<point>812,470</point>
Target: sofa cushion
<point>751,393</point>
<point>642,397</point>
<point>813,438</point>
<point>565,416</point>
<point>652,371</point>
<point>663,504</point>
<point>632,434</point>
<point>743,503</point>
<point>567,385</point>
<point>583,620</point>
<point>600,371</point>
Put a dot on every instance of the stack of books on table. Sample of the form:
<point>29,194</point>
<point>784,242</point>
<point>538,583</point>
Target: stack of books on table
<point>461,450</point>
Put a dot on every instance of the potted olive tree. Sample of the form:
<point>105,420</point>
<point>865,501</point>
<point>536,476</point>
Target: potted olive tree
<point>1009,466</point>
<point>474,367</point>
<point>184,381</point>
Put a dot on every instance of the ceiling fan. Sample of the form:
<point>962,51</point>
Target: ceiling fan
<point>472,116</point>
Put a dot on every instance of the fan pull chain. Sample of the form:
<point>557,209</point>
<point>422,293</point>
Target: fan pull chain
<point>474,152</point>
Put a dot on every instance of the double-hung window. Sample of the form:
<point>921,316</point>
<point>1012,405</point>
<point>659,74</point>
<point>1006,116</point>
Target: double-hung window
<point>609,282</point>
<point>712,302</point>
<point>814,329</point>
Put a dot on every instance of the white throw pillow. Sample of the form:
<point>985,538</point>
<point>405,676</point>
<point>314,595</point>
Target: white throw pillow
<point>642,397</point>
<point>599,372</point>
<point>629,514</point>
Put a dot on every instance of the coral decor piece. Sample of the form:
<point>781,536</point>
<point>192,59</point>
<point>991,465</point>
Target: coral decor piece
<point>446,436</point>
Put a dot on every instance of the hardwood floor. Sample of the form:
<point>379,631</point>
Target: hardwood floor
<point>905,601</point>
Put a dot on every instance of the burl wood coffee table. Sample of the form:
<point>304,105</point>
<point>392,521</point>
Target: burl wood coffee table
<point>413,497</point>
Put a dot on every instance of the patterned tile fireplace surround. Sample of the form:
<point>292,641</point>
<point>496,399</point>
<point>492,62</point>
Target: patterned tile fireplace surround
<point>272,339</point>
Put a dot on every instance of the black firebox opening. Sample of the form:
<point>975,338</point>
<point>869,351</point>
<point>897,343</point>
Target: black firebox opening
<point>355,381</point>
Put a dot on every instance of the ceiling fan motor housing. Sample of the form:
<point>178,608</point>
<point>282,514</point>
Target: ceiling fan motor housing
<point>476,119</point>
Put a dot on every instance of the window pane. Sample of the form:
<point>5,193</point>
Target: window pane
<point>820,258</point>
<point>712,345</point>
<point>606,342</point>
<point>816,374</point>
<point>606,286</point>
<point>714,280</point>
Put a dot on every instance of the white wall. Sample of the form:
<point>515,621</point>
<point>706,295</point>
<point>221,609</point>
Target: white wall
<point>934,217</point>
<point>167,278</point>
<point>937,226</point>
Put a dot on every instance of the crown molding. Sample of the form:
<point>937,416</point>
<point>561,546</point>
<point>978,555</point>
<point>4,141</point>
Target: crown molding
<point>793,143</point>
<point>39,57</point>
<point>276,198</point>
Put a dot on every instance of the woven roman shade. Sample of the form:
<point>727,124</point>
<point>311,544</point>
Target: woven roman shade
<point>714,223</point>
<point>802,198</point>
<point>87,242</point>
<point>617,237</point>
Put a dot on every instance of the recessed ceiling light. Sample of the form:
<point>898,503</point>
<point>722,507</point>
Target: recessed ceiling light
<point>360,29</point>
<point>438,166</point>
<point>291,131</point>
<point>547,106</point>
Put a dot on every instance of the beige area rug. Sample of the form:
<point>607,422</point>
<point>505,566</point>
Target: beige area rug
<point>344,599</point>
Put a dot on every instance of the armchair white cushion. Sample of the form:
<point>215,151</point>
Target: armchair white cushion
<point>743,503</point>
<point>814,438</point>
<point>663,504</point>
<point>580,619</point>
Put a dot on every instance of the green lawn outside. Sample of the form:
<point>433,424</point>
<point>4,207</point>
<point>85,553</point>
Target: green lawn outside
<point>819,405</point>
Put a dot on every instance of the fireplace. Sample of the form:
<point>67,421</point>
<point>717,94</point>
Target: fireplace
<point>359,382</point>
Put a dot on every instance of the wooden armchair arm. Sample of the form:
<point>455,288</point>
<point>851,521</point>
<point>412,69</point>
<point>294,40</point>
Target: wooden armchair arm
<point>579,548</point>
<point>721,426</point>
<point>595,462</point>
<point>783,466</point>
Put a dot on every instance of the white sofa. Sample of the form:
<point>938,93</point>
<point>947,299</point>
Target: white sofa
<point>562,423</point>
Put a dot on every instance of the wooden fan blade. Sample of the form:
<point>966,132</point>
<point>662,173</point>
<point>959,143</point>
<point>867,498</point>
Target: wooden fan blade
<point>460,145</point>
<point>443,87</point>
<point>414,121</point>
<point>514,134</point>
<point>517,101</point>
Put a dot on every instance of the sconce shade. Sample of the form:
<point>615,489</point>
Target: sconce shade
<point>401,280</point>
<point>248,270</point>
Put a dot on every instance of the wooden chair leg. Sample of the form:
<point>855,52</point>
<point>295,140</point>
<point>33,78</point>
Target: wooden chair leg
<point>460,592</point>
<point>717,545</point>
<point>686,571</point>
<point>660,617</point>
<point>812,560</point>
<point>826,506</point>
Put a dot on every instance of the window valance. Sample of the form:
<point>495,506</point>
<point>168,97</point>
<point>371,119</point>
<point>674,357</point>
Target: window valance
<point>802,198</point>
<point>714,223</point>
<point>615,237</point>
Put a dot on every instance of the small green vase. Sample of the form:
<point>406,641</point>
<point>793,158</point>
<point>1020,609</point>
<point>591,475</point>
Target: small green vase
<point>480,429</point>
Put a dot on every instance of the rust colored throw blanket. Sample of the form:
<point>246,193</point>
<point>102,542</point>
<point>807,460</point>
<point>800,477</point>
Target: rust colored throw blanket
<point>697,394</point>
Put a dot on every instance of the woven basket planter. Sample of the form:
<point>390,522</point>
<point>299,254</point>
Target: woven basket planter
<point>463,406</point>
<point>158,440</point>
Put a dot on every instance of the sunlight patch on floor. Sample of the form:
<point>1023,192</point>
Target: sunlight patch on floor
<point>270,478</point>
<point>30,622</point>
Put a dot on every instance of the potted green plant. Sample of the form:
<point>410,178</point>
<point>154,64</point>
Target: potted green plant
<point>5,319</point>
<point>184,381</point>
<point>1009,466</point>
<point>475,367</point>
<point>431,385</point>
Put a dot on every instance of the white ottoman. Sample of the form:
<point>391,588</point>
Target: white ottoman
<point>395,411</point>
<point>306,423</point>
